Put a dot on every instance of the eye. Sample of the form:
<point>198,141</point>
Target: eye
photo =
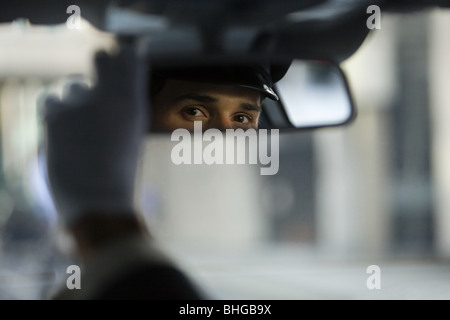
<point>242,118</point>
<point>194,112</point>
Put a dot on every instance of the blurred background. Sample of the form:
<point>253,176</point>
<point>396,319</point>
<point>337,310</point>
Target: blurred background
<point>374,192</point>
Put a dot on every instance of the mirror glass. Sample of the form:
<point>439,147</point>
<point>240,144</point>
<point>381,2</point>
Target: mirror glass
<point>315,94</point>
<point>288,94</point>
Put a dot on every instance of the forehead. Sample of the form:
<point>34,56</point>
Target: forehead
<point>174,88</point>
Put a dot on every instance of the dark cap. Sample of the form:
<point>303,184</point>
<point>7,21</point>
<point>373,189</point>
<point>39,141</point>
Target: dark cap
<point>252,77</point>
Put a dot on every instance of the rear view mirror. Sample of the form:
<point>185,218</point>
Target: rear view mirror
<point>300,94</point>
<point>312,94</point>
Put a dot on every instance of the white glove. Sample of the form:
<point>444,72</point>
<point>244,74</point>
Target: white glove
<point>94,137</point>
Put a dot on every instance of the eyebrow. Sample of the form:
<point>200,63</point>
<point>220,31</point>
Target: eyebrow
<point>210,99</point>
<point>251,107</point>
<point>196,97</point>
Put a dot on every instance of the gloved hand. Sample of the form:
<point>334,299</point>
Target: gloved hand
<point>94,137</point>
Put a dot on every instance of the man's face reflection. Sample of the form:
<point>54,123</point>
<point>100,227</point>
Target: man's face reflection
<point>178,103</point>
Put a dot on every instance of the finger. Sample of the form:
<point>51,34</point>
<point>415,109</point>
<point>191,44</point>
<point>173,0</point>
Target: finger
<point>116,71</point>
<point>75,93</point>
<point>135,72</point>
<point>50,106</point>
<point>102,68</point>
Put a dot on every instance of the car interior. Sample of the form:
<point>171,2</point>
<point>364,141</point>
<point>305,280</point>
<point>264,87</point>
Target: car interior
<point>359,206</point>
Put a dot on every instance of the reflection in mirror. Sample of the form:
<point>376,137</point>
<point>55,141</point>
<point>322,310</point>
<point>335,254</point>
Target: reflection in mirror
<point>219,96</point>
<point>235,96</point>
<point>315,94</point>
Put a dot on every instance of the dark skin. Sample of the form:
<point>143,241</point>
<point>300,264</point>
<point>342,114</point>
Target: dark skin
<point>179,103</point>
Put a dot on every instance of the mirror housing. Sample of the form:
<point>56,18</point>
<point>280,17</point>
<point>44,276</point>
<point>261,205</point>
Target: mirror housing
<point>313,94</point>
<point>307,94</point>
